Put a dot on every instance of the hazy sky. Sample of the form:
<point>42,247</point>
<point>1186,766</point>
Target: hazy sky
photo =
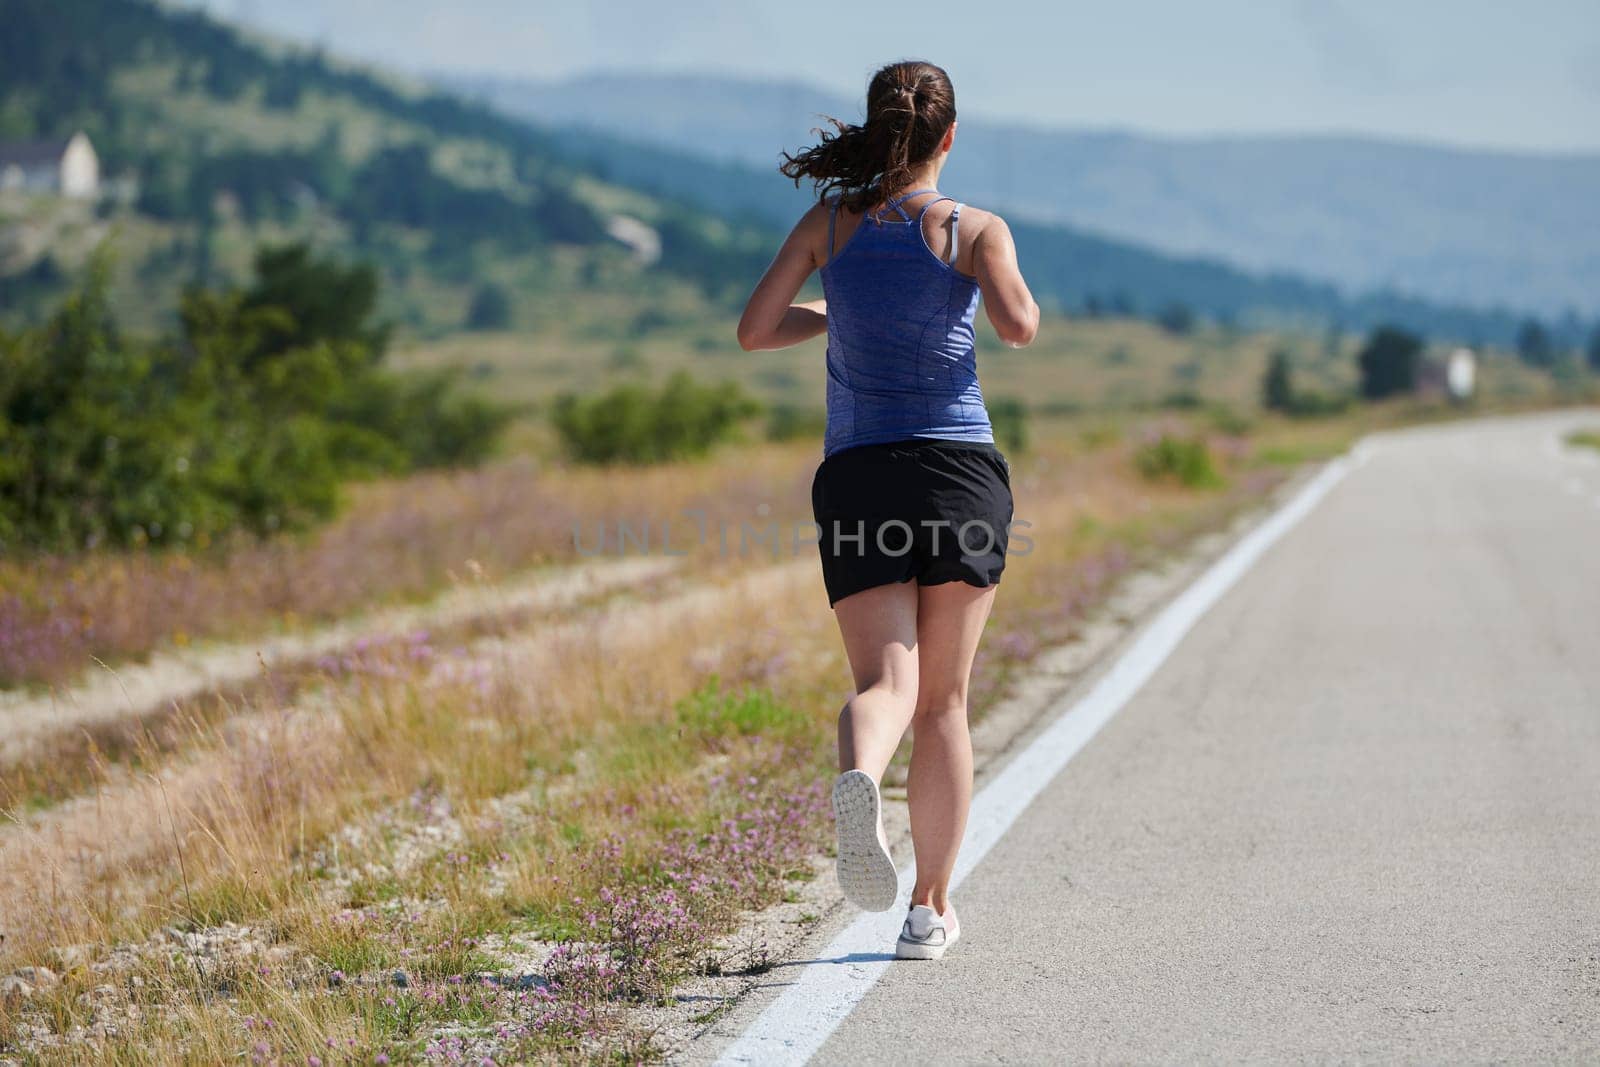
<point>1495,74</point>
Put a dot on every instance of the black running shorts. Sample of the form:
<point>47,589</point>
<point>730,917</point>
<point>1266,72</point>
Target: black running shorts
<point>934,510</point>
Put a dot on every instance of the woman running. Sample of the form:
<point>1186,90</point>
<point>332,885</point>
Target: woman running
<point>911,485</point>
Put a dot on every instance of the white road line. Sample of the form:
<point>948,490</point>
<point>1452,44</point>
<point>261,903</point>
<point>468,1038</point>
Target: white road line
<point>795,1025</point>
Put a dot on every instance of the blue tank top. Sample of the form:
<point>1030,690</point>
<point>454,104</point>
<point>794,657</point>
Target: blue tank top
<point>901,356</point>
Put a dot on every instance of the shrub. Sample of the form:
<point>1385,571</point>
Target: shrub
<point>1186,460</point>
<point>1277,385</point>
<point>1009,417</point>
<point>1226,420</point>
<point>632,423</point>
<point>490,309</point>
<point>1311,403</point>
<point>251,417</point>
<point>1279,394</point>
<point>1388,362</point>
<point>1176,318</point>
<point>786,422</point>
<point>1535,346</point>
<point>1183,400</point>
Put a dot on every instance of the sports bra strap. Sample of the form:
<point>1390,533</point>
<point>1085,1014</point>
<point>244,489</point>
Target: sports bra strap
<point>955,221</point>
<point>907,196</point>
<point>930,203</point>
<point>902,198</point>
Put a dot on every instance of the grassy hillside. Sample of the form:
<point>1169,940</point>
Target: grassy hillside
<point>215,143</point>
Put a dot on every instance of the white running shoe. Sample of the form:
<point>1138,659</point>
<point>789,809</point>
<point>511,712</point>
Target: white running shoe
<point>865,868</point>
<point>926,934</point>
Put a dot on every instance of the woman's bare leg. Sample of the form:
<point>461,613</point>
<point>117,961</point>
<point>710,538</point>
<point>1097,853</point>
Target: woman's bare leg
<point>950,619</point>
<point>879,626</point>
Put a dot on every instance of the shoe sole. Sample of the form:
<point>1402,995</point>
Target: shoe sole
<point>865,869</point>
<point>918,950</point>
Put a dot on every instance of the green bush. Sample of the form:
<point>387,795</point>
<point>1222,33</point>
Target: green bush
<point>1226,420</point>
<point>1277,384</point>
<point>1389,362</point>
<point>1176,318</point>
<point>1310,403</point>
<point>1009,417</point>
<point>251,417</point>
<point>786,422</point>
<point>490,309</point>
<point>633,423</point>
<point>1186,460</point>
<point>1278,392</point>
<point>1183,400</point>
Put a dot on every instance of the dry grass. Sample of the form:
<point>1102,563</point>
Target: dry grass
<point>399,541</point>
<point>450,812</point>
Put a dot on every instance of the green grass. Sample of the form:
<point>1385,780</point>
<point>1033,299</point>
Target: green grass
<point>1585,439</point>
<point>713,712</point>
<point>1186,460</point>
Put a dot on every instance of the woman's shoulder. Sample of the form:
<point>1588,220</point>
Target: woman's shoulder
<point>975,220</point>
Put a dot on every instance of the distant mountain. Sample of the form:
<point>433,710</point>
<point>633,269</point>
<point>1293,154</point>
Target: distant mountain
<point>1070,269</point>
<point>1467,227</point>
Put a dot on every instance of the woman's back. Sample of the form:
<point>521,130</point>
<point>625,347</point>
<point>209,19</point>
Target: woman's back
<point>901,356</point>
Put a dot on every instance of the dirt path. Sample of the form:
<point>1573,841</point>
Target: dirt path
<point>109,694</point>
<point>130,824</point>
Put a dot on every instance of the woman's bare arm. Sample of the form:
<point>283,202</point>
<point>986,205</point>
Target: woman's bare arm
<point>771,318</point>
<point>1010,306</point>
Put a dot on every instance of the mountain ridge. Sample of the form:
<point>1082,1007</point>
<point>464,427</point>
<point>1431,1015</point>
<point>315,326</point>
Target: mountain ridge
<point>1450,223</point>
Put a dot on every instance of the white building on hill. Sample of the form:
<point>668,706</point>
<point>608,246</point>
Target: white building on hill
<point>65,166</point>
<point>1453,376</point>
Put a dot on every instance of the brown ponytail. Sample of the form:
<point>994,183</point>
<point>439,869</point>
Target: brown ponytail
<point>910,106</point>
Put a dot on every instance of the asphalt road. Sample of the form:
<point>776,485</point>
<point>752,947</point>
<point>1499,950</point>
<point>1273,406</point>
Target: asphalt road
<point>1354,816</point>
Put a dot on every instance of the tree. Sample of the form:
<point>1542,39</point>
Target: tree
<point>1176,318</point>
<point>1594,350</point>
<point>1388,362</point>
<point>1534,344</point>
<point>491,308</point>
<point>250,418</point>
<point>1277,385</point>
<point>322,300</point>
